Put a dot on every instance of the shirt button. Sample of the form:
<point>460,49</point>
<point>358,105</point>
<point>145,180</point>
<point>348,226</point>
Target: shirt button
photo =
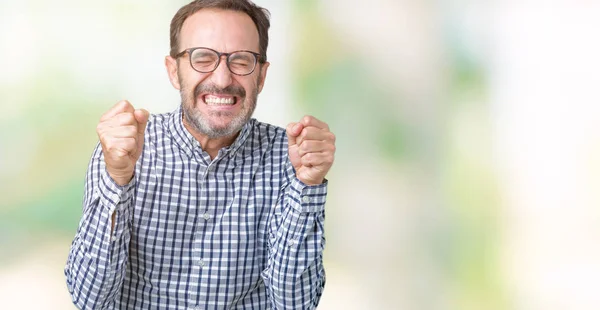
<point>201,263</point>
<point>114,238</point>
<point>305,199</point>
<point>206,216</point>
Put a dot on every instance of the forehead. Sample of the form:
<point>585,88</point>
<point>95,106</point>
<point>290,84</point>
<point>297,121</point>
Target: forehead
<point>222,30</point>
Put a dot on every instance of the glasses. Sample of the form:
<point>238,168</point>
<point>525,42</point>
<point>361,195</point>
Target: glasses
<point>205,60</point>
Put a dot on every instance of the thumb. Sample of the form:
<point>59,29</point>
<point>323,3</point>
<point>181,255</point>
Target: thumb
<point>141,116</point>
<point>293,130</point>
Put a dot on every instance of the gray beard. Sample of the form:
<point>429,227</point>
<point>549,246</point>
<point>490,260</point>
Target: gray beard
<point>201,124</point>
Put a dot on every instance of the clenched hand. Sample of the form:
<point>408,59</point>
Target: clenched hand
<point>121,132</point>
<point>311,149</point>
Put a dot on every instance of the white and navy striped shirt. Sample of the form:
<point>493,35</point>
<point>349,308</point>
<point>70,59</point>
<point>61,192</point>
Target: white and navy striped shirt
<point>236,232</point>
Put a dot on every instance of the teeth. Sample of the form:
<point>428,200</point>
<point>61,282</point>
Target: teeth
<point>218,101</point>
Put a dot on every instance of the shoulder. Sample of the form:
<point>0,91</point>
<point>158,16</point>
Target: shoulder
<point>159,120</point>
<point>272,143</point>
<point>268,134</point>
<point>158,125</point>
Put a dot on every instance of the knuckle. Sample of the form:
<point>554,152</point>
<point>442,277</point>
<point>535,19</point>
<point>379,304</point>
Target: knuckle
<point>128,142</point>
<point>302,147</point>
<point>102,138</point>
<point>307,119</point>
<point>305,162</point>
<point>131,147</point>
<point>305,134</point>
<point>128,118</point>
<point>301,138</point>
<point>122,105</point>
<point>304,131</point>
<point>109,146</point>
<point>129,131</point>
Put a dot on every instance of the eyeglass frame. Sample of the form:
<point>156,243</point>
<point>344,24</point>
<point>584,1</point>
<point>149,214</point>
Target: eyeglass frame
<point>258,58</point>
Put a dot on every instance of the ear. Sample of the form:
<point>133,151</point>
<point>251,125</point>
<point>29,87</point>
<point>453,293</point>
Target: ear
<point>262,76</point>
<point>171,65</point>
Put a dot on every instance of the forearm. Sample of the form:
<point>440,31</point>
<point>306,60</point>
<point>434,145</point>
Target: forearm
<point>295,277</point>
<point>98,257</point>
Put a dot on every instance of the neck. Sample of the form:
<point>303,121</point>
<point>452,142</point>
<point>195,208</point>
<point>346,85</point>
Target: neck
<point>210,145</point>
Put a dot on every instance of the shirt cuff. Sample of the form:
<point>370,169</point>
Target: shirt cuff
<point>112,194</point>
<point>307,198</point>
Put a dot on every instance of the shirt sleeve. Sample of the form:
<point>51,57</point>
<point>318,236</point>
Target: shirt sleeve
<point>295,276</point>
<point>98,257</point>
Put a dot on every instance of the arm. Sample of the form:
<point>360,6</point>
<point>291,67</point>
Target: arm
<point>295,276</point>
<point>98,257</point>
<point>99,253</point>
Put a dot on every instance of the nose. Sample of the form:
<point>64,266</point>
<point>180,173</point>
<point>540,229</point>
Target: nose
<point>221,77</point>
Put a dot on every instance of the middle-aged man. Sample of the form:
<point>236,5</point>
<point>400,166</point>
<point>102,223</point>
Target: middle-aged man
<point>205,207</point>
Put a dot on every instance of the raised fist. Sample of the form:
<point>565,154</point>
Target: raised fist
<point>311,149</point>
<point>121,132</point>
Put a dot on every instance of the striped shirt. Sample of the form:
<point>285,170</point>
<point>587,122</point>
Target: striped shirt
<point>239,231</point>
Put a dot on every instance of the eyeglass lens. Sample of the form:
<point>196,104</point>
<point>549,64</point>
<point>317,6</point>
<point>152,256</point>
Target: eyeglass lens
<point>205,60</point>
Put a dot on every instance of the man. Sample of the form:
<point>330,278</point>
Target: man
<point>204,207</point>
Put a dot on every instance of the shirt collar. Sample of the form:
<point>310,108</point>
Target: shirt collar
<point>241,138</point>
<point>184,139</point>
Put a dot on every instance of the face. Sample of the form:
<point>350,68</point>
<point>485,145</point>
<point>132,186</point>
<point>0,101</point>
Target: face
<point>219,103</point>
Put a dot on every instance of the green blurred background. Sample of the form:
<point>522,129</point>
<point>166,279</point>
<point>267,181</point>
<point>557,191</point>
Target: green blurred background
<point>468,160</point>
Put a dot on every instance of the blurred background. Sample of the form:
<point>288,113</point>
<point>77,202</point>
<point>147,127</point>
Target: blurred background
<point>468,166</point>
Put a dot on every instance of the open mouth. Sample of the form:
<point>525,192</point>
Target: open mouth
<point>213,100</point>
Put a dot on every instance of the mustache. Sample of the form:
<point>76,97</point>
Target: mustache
<point>232,90</point>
